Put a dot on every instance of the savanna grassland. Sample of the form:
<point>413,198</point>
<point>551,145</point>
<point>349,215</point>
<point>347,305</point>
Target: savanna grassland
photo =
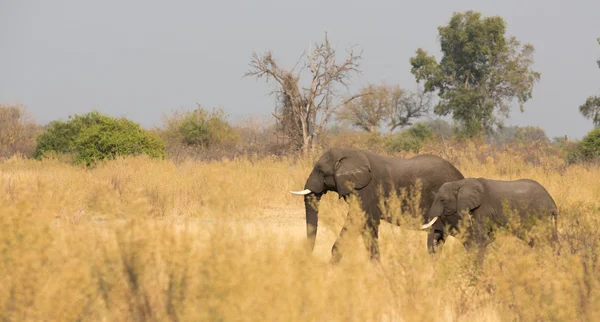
<point>153,240</point>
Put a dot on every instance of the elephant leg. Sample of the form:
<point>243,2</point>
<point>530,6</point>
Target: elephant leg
<point>370,236</point>
<point>336,253</point>
<point>554,240</point>
<point>481,250</point>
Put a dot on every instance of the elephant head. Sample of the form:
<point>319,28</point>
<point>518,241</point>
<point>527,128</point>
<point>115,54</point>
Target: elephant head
<point>453,200</point>
<point>339,170</point>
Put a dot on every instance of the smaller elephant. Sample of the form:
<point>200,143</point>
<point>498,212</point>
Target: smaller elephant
<point>482,202</point>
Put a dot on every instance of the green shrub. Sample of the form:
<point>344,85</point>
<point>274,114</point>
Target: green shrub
<point>399,143</point>
<point>92,137</point>
<point>588,149</point>
<point>409,140</point>
<point>590,145</point>
<point>420,131</point>
<point>205,129</point>
<point>199,128</point>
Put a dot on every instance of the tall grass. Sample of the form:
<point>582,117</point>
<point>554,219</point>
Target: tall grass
<point>147,240</point>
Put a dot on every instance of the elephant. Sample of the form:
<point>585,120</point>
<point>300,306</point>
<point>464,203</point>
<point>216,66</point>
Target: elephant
<point>361,173</point>
<point>482,201</point>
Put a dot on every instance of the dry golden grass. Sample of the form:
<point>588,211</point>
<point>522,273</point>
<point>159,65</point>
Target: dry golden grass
<point>140,239</point>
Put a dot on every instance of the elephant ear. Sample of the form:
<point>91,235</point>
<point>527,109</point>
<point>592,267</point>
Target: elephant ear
<point>352,170</point>
<point>469,195</point>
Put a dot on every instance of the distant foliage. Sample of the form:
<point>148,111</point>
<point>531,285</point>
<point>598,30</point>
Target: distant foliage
<point>530,133</point>
<point>480,73</point>
<point>591,108</point>
<point>590,145</point>
<point>258,136</point>
<point>374,106</point>
<point>409,140</point>
<point>585,150</point>
<point>204,129</point>
<point>519,134</point>
<point>200,129</point>
<point>385,104</point>
<point>18,131</point>
<point>93,137</point>
<point>439,128</point>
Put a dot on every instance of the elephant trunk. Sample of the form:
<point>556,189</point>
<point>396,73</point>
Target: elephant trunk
<point>434,237</point>
<point>311,203</point>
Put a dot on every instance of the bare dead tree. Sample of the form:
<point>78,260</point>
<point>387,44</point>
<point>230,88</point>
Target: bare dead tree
<point>288,121</point>
<point>304,112</point>
<point>385,103</point>
<point>408,106</point>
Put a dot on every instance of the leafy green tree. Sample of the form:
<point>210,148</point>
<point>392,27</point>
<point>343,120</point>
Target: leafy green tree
<point>481,71</point>
<point>591,108</point>
<point>92,137</point>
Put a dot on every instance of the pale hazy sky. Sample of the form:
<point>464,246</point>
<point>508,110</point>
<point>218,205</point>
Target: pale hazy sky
<point>141,59</point>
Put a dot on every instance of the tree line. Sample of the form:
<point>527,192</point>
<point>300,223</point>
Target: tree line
<point>482,71</point>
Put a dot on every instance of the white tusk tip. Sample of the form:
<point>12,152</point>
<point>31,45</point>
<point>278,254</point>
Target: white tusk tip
<point>429,224</point>
<point>301,193</point>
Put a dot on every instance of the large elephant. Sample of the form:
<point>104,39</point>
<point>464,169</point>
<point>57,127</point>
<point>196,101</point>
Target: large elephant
<point>361,172</point>
<point>482,201</point>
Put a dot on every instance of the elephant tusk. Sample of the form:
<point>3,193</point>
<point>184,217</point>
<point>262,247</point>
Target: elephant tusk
<point>429,224</point>
<point>301,193</point>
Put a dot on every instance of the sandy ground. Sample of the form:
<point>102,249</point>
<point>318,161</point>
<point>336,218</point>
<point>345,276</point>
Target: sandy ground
<point>289,224</point>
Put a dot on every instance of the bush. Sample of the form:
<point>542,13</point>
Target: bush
<point>18,131</point>
<point>531,134</point>
<point>258,136</point>
<point>589,146</point>
<point>409,140</point>
<point>518,134</point>
<point>420,131</point>
<point>200,128</point>
<point>403,143</point>
<point>440,128</point>
<point>198,134</point>
<point>93,137</point>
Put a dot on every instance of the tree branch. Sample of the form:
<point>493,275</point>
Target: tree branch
<point>301,106</point>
